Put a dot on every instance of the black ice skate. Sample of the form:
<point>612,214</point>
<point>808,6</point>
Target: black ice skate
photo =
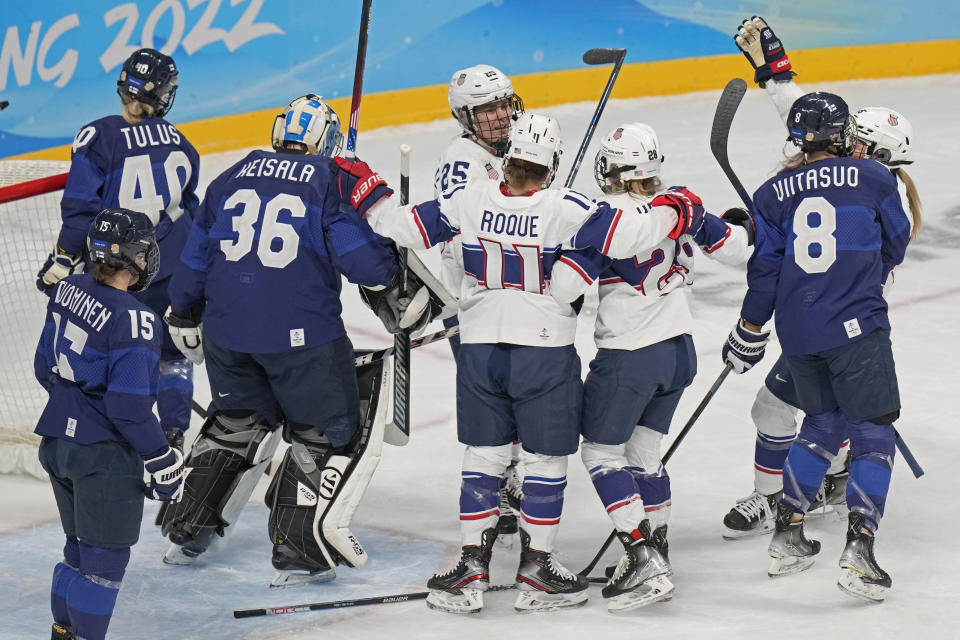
<point>460,590</point>
<point>511,492</point>
<point>544,583</point>
<point>294,570</point>
<point>641,575</point>
<point>751,516</point>
<point>659,540</point>
<point>791,551</point>
<point>860,575</point>
<point>832,496</point>
<point>61,632</point>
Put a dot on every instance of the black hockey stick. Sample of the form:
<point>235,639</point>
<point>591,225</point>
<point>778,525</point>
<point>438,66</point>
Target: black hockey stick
<point>666,457</point>
<point>4,104</point>
<point>422,341</point>
<point>594,57</point>
<point>720,133</point>
<point>358,81</point>
<point>398,429</point>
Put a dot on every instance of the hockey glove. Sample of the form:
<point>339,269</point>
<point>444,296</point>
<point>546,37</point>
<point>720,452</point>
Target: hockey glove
<point>163,475</point>
<point>764,51</point>
<point>744,348</point>
<point>185,330</point>
<point>413,312</point>
<point>741,218</point>
<point>59,265</point>
<point>364,185</point>
<point>689,210</point>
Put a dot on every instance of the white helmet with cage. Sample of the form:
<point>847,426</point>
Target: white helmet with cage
<point>886,134</point>
<point>483,102</point>
<point>627,152</point>
<point>535,138</point>
<point>310,121</point>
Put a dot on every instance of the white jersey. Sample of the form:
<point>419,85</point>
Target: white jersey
<point>509,244</point>
<point>645,299</point>
<point>464,161</point>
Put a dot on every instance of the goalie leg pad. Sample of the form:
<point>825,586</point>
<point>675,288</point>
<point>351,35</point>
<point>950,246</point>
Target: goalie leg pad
<point>222,470</point>
<point>318,488</point>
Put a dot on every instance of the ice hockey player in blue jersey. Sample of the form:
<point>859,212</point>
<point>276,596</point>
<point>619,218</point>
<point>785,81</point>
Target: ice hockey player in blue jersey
<point>830,228</point>
<point>141,162</point>
<point>883,135</point>
<point>645,356</point>
<point>518,374</point>
<point>262,271</point>
<point>98,357</point>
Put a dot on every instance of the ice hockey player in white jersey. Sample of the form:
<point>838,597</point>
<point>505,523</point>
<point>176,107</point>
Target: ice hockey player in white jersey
<point>883,135</point>
<point>645,355</point>
<point>483,101</point>
<point>518,375</point>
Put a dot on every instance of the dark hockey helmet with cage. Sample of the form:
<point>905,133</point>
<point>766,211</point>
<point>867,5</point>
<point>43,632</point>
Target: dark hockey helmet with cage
<point>822,122</point>
<point>150,77</point>
<point>125,239</point>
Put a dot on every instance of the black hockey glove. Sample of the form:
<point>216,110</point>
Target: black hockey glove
<point>742,218</point>
<point>408,313</point>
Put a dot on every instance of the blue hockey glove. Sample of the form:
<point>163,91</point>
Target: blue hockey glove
<point>764,51</point>
<point>163,475</point>
<point>689,210</point>
<point>744,348</point>
<point>59,265</point>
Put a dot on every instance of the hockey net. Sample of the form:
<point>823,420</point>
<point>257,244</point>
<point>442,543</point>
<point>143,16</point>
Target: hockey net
<point>30,193</point>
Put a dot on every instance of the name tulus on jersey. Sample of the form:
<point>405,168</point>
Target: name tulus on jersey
<point>275,168</point>
<point>814,178</point>
<point>150,135</point>
<point>78,301</point>
<point>511,224</point>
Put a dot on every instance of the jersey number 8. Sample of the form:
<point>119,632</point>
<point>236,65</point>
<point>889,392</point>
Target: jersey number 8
<point>809,236</point>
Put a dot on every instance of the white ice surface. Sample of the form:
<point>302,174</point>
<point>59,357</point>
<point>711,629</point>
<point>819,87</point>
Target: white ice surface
<point>408,520</point>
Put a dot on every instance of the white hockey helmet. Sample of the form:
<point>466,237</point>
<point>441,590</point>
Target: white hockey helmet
<point>628,152</point>
<point>886,134</point>
<point>484,103</point>
<point>535,138</point>
<point>309,121</point>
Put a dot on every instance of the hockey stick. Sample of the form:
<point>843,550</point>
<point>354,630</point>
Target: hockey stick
<point>358,81</point>
<point>594,57</point>
<point>669,454</point>
<point>907,455</point>
<point>720,133</point>
<point>422,341</point>
<point>398,429</point>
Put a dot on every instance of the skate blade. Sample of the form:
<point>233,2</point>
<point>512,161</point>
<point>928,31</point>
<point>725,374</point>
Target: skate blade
<point>530,601</point>
<point>828,512</point>
<point>467,602</point>
<point>737,534</point>
<point>656,589</point>
<point>788,565</point>
<point>852,583</point>
<point>286,579</point>
<point>176,556</point>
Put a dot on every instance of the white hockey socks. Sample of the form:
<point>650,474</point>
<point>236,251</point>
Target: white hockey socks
<point>643,456</point>
<point>615,484</point>
<point>480,490</point>
<point>545,478</point>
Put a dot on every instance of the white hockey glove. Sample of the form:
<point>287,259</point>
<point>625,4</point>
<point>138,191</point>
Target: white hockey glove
<point>163,476</point>
<point>185,329</point>
<point>58,266</point>
<point>744,348</point>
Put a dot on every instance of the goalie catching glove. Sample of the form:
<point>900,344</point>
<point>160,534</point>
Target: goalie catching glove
<point>58,266</point>
<point>412,312</point>
<point>185,329</point>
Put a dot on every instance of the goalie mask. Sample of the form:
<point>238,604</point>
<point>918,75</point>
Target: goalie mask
<point>821,122</point>
<point>885,135</point>
<point>150,77</point>
<point>483,102</point>
<point>125,239</point>
<point>628,152</point>
<point>308,120</point>
<point>535,138</point>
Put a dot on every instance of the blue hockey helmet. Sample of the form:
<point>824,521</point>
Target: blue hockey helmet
<point>822,122</point>
<point>150,77</point>
<point>125,239</point>
<point>308,121</point>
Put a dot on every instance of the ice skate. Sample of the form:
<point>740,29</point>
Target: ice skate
<point>511,491</point>
<point>544,583</point>
<point>177,555</point>
<point>791,551</point>
<point>460,590</point>
<point>860,575</point>
<point>293,570</point>
<point>641,575</point>
<point>751,516</point>
<point>61,632</point>
<point>832,496</point>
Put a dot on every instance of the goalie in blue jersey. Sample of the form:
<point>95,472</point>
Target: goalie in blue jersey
<point>98,358</point>
<point>141,162</point>
<point>830,228</point>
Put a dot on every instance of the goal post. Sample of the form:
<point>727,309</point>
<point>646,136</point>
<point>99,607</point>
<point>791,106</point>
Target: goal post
<point>30,193</point>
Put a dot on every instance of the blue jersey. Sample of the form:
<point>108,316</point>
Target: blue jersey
<point>148,167</point>
<point>98,357</point>
<point>267,250</point>
<point>827,236</point>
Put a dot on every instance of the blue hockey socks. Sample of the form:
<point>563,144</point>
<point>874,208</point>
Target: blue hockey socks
<point>872,450</point>
<point>809,458</point>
